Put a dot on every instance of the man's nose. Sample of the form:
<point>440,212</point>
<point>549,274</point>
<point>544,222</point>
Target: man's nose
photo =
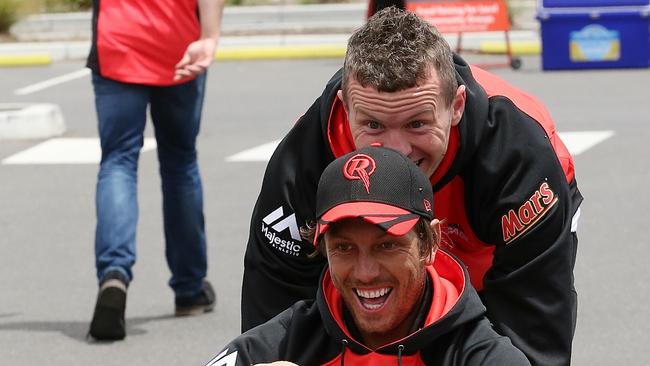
<point>397,141</point>
<point>366,270</point>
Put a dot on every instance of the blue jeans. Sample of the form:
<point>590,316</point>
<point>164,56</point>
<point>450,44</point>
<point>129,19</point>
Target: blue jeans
<point>176,114</point>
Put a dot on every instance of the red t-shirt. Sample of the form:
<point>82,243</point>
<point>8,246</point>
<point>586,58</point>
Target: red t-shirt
<point>140,41</point>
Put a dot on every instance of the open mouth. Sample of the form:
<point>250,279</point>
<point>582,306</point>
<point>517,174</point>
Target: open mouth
<point>419,161</point>
<point>373,299</point>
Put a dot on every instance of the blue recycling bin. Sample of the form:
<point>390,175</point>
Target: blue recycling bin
<point>594,34</point>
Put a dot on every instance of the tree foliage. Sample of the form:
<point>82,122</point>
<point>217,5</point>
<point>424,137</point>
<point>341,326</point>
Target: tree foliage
<point>8,14</point>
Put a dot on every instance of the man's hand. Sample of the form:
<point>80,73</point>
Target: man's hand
<point>277,363</point>
<point>198,56</point>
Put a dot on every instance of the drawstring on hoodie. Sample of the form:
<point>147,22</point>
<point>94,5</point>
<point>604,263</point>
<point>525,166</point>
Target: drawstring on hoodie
<point>344,345</point>
<point>400,348</point>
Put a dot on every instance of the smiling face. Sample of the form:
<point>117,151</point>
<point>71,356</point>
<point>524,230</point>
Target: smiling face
<point>415,121</point>
<point>380,277</point>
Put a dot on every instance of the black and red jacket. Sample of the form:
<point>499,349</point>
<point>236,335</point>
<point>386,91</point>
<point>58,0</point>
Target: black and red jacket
<point>505,188</point>
<point>453,330</point>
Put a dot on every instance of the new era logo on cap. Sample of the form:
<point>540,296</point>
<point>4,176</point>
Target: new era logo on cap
<point>376,184</point>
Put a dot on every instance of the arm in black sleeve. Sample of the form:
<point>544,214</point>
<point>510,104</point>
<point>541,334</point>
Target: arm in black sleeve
<point>525,207</point>
<point>492,350</point>
<point>262,344</point>
<point>277,268</point>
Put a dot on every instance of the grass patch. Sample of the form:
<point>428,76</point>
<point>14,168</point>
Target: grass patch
<point>8,14</point>
<point>67,5</point>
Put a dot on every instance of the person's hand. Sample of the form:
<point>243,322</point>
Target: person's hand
<point>198,56</point>
<point>277,363</point>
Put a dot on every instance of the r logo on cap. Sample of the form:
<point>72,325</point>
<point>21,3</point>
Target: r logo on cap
<point>360,167</point>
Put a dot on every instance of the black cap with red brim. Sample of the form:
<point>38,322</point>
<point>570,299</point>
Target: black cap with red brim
<point>376,184</point>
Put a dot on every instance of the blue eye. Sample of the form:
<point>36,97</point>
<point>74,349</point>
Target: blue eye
<point>416,124</point>
<point>374,125</point>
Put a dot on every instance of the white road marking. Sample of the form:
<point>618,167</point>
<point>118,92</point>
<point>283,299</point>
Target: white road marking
<point>87,150</point>
<point>581,141</point>
<point>65,151</point>
<point>52,82</point>
<point>577,143</point>
<point>259,153</point>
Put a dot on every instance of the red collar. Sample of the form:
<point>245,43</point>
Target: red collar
<point>446,277</point>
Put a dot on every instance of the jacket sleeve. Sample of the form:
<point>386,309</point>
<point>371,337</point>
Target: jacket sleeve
<point>277,268</point>
<point>262,344</point>
<point>525,206</point>
<point>493,349</point>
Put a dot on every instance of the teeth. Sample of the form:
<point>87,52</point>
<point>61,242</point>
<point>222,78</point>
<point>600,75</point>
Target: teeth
<point>372,294</point>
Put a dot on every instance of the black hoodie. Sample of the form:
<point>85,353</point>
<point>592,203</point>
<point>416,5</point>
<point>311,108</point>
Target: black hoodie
<point>454,331</point>
<point>505,188</point>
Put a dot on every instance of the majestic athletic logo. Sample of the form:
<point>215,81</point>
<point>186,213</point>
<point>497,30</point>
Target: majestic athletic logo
<point>517,222</point>
<point>224,360</point>
<point>360,167</point>
<point>272,233</point>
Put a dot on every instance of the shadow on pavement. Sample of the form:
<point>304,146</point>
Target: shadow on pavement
<point>78,330</point>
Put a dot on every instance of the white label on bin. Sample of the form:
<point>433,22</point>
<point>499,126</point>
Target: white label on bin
<point>594,43</point>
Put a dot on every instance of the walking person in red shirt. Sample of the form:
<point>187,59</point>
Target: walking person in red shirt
<point>150,54</point>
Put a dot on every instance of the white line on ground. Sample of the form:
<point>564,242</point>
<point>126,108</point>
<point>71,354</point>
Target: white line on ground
<point>581,141</point>
<point>52,82</point>
<point>66,151</point>
<point>577,143</point>
<point>259,153</point>
<point>87,150</point>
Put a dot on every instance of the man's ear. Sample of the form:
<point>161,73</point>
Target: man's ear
<point>437,234</point>
<point>436,227</point>
<point>458,105</point>
<point>339,94</point>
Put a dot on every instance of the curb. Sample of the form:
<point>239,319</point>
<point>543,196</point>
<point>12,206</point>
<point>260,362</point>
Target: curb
<point>23,60</point>
<point>223,54</point>
<point>19,121</point>
<point>281,52</point>
<point>518,48</point>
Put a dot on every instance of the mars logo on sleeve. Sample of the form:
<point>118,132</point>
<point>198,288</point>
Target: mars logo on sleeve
<point>517,222</point>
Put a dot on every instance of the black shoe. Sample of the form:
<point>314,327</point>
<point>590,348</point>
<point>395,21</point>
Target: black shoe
<point>108,319</point>
<point>198,304</point>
